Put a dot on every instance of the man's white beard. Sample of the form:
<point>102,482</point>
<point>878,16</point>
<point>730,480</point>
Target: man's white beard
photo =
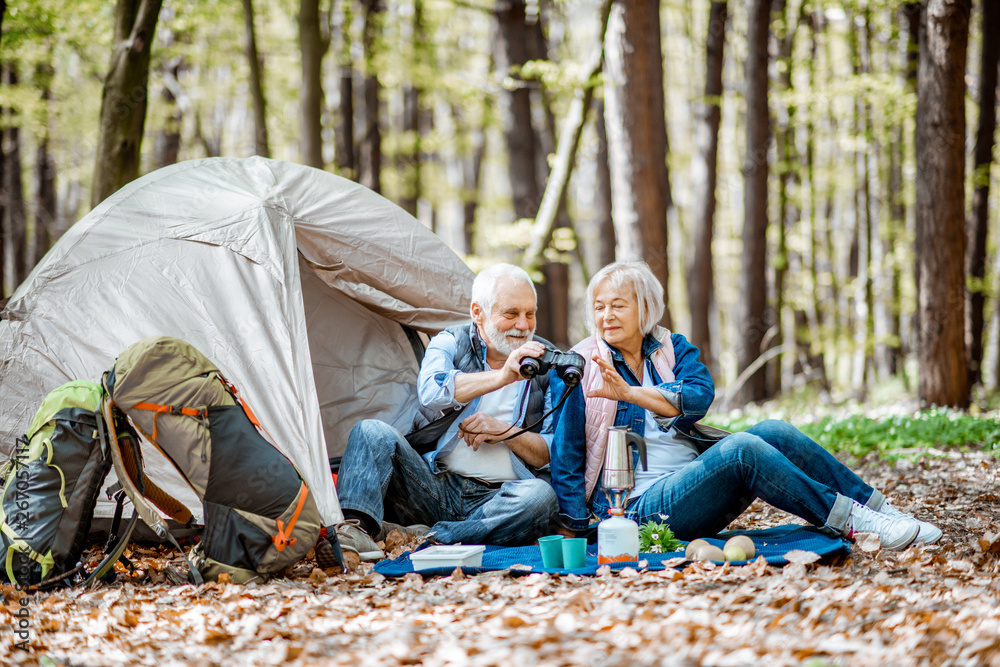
<point>501,341</point>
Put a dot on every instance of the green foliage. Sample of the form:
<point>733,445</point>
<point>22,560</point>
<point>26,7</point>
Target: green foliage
<point>657,538</point>
<point>895,436</point>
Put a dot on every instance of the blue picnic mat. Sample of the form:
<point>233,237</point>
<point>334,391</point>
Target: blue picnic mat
<point>771,543</point>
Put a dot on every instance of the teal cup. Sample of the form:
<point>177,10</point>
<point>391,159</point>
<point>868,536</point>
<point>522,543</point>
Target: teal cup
<point>551,546</point>
<point>574,552</point>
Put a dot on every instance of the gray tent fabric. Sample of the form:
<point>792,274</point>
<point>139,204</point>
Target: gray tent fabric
<point>294,281</point>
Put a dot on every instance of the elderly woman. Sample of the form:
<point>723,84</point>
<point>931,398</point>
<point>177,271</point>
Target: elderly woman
<point>641,376</point>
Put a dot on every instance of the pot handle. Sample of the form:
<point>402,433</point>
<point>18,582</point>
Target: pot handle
<point>640,444</point>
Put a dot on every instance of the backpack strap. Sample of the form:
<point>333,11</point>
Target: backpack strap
<point>169,409</point>
<point>170,506</point>
<point>284,538</point>
<point>134,487</point>
<point>243,404</point>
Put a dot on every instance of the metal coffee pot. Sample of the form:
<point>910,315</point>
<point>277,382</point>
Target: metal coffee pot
<point>618,475</point>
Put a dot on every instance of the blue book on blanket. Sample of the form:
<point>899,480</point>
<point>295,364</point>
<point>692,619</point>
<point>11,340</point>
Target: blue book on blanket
<point>771,543</point>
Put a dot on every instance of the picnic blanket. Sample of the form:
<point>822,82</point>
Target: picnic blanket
<point>771,543</point>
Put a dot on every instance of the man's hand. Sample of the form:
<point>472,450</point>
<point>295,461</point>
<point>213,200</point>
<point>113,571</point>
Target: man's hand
<point>614,386</point>
<point>512,369</point>
<point>480,428</point>
<point>472,385</point>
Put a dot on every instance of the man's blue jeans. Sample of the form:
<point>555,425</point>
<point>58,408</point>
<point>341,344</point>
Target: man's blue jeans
<point>773,461</point>
<point>379,467</point>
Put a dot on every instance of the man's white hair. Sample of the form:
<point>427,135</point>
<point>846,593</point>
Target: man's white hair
<point>484,287</point>
<point>637,277</point>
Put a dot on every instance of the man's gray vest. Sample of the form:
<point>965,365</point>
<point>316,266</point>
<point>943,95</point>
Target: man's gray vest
<point>469,359</point>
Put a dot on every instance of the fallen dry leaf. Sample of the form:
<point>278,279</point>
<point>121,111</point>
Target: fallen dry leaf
<point>802,557</point>
<point>938,604</point>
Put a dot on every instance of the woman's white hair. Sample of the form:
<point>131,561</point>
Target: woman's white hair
<point>484,287</point>
<point>636,276</point>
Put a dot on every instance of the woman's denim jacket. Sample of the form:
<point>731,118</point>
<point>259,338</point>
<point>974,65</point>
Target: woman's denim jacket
<point>692,392</point>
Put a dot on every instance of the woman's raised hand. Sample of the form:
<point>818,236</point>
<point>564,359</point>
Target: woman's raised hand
<point>614,385</point>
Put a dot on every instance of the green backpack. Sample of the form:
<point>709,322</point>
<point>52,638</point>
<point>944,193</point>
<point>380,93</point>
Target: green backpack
<point>50,486</point>
<point>260,516</point>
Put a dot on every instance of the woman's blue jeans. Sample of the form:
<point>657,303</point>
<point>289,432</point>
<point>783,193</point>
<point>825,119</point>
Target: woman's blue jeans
<point>773,461</point>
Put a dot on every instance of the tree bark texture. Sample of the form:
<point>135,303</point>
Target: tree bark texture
<point>13,216</point>
<point>167,145</point>
<point>343,155</point>
<point>370,158</point>
<point>701,281</point>
<point>515,108</point>
<point>313,47</point>
<point>123,102</point>
<point>553,293</point>
<point>816,315</point>
<point>416,120</point>
<point>755,317</point>
<point>45,170</point>
<point>261,145</point>
<point>940,204</point>
<point>3,204</point>
<point>602,204</point>
<point>637,134</point>
<point>976,229</point>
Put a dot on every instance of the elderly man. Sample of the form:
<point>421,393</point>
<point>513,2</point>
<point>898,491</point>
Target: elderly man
<point>477,481</point>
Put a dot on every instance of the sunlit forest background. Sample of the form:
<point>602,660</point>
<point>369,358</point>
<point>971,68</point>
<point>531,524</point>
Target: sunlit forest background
<point>783,209</point>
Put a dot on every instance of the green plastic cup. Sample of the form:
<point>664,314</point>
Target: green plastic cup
<point>551,546</point>
<point>574,552</point>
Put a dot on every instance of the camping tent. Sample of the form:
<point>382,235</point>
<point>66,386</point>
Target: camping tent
<point>303,287</point>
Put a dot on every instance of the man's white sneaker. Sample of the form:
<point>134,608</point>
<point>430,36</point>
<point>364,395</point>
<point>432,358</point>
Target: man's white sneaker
<point>929,533</point>
<point>354,538</point>
<point>894,533</point>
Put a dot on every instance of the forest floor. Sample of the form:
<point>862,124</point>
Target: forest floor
<point>934,605</point>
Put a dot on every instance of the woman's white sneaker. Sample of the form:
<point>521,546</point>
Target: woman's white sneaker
<point>894,533</point>
<point>928,534</point>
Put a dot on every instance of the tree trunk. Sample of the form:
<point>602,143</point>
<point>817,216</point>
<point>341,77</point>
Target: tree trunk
<point>515,109</point>
<point>637,135</point>
<point>975,252</point>
<point>472,167</point>
<point>370,162</point>
<point>261,145</point>
<point>605,221</point>
<point>167,145</point>
<point>123,102</point>
<point>410,158</point>
<point>45,167</point>
<point>14,218</point>
<point>864,303</point>
<point>344,136</point>
<point>755,317</point>
<point>889,352</point>
<point>815,315</point>
<point>313,47</point>
<point>3,198</point>
<point>940,238</point>
<point>701,280</point>
<point>553,290</point>
<point>789,259</point>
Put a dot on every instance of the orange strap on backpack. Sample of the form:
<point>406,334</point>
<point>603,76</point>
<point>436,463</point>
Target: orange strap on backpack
<point>283,538</point>
<point>168,409</point>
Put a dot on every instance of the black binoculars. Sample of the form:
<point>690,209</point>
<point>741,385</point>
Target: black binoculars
<point>568,365</point>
